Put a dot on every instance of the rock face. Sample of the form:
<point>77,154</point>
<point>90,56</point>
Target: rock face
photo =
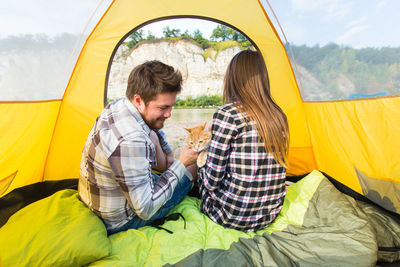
<point>201,75</point>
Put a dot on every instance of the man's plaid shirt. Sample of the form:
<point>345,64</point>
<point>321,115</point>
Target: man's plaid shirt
<point>115,178</point>
<point>241,186</point>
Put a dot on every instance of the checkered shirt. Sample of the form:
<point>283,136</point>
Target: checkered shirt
<point>241,186</point>
<point>115,178</point>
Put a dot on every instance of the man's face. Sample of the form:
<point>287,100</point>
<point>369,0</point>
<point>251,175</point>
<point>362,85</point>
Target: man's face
<point>157,110</point>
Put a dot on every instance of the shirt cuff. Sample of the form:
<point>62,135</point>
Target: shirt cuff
<point>180,170</point>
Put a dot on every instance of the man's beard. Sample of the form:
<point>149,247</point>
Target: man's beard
<point>156,124</point>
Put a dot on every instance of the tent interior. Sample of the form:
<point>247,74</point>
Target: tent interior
<point>353,143</point>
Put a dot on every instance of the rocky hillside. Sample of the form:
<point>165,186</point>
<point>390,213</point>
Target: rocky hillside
<point>203,71</point>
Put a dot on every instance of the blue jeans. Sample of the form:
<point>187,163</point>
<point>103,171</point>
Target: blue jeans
<point>180,192</point>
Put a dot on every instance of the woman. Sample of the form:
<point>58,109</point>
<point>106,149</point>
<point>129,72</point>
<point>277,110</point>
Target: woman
<point>242,184</point>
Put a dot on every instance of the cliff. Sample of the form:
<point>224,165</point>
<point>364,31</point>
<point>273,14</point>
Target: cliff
<point>201,74</point>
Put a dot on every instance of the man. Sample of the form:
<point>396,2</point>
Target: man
<point>116,179</point>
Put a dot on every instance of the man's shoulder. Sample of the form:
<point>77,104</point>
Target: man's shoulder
<point>117,124</point>
<point>117,115</point>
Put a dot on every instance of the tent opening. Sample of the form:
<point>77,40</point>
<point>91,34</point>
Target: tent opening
<point>200,49</point>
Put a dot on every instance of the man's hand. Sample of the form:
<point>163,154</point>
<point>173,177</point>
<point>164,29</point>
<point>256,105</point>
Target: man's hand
<point>188,156</point>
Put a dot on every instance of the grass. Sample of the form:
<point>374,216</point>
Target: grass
<point>216,47</point>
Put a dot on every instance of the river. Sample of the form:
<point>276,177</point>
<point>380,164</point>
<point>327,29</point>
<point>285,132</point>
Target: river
<point>194,115</point>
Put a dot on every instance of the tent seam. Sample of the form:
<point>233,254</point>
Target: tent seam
<point>294,77</point>
<point>66,89</point>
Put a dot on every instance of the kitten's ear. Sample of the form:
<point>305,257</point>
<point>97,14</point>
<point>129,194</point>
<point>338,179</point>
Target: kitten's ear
<point>204,126</point>
<point>188,129</point>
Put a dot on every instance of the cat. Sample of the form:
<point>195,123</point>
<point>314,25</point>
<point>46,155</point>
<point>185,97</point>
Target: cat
<point>199,141</point>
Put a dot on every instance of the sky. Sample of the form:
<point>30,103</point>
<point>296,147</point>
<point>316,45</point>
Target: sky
<point>356,23</point>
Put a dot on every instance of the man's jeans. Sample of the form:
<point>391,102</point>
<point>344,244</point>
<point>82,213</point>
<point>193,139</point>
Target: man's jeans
<point>180,192</point>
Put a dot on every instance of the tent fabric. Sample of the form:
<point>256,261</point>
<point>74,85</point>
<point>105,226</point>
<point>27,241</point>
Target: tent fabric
<point>6,182</point>
<point>318,225</point>
<point>358,134</point>
<point>384,193</point>
<point>26,131</point>
<point>354,141</point>
<point>43,140</point>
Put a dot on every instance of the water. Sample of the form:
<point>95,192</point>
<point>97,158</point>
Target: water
<point>192,115</point>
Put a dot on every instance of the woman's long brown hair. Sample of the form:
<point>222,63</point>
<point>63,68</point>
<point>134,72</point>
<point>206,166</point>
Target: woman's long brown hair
<point>247,86</point>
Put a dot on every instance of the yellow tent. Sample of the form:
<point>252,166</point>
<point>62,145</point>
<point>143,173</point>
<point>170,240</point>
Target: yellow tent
<point>43,140</point>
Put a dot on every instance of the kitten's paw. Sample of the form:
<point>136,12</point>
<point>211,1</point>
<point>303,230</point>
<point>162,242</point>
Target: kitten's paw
<point>201,160</point>
<point>200,163</point>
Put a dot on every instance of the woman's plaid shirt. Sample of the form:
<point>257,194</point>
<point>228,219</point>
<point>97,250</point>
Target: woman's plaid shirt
<point>241,186</point>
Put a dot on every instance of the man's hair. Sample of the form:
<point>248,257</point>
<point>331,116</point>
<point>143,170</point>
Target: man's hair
<point>152,78</point>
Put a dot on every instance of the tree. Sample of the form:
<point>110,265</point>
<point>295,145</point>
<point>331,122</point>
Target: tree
<point>150,36</point>
<point>224,33</point>
<point>221,32</point>
<point>135,38</point>
<point>186,34</point>
<point>198,38</point>
<point>171,32</point>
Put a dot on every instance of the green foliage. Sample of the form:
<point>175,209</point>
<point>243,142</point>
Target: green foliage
<point>203,101</point>
<point>208,54</point>
<point>198,38</point>
<point>171,32</point>
<point>225,33</point>
<point>186,34</point>
<point>371,70</point>
<point>216,47</point>
<point>150,36</point>
<point>135,38</point>
<point>220,34</point>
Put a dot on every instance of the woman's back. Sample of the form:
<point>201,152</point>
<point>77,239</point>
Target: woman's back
<point>242,186</point>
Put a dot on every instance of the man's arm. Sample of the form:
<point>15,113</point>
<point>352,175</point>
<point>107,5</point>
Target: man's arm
<point>132,169</point>
<point>161,158</point>
<point>163,142</point>
<point>131,166</point>
<point>165,147</point>
<point>170,159</point>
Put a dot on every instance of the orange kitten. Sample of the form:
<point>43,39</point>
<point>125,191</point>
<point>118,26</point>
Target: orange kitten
<point>198,140</point>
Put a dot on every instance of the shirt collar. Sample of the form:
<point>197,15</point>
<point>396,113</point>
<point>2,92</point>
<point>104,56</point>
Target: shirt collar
<point>136,114</point>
